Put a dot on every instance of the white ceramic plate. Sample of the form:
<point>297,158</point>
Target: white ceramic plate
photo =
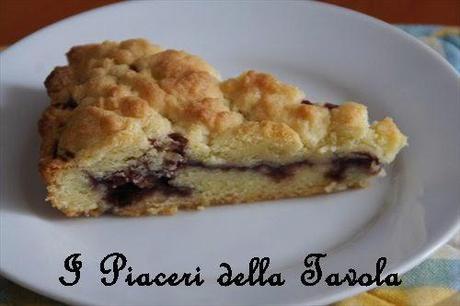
<point>334,55</point>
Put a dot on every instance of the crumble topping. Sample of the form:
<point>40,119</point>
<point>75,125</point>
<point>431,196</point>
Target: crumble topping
<point>112,97</point>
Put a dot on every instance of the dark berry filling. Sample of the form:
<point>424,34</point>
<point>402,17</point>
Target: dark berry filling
<point>128,186</point>
<point>361,160</point>
<point>327,105</point>
<point>330,105</point>
<point>178,143</point>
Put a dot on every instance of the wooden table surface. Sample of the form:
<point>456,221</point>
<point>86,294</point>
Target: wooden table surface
<point>19,18</point>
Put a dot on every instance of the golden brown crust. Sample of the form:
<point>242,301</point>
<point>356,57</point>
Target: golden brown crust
<point>113,98</point>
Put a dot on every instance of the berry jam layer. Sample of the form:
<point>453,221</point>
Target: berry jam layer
<point>125,187</point>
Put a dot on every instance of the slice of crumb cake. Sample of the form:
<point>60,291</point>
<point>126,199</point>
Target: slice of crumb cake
<point>134,130</point>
